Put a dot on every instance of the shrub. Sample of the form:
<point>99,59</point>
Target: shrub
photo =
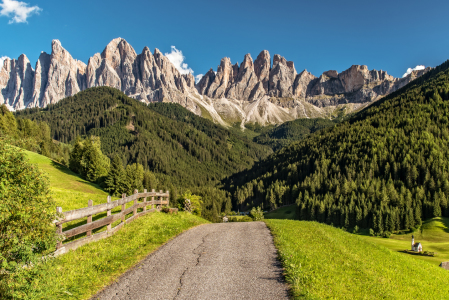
<point>257,213</point>
<point>195,202</point>
<point>371,232</point>
<point>386,234</point>
<point>245,219</point>
<point>26,215</point>
<point>356,229</point>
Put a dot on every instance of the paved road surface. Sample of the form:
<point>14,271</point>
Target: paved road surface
<point>214,261</point>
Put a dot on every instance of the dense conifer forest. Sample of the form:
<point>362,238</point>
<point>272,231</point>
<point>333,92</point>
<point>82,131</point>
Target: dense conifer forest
<point>164,143</point>
<point>288,132</point>
<point>386,168</point>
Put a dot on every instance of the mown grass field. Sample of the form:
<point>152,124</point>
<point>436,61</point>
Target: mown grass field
<point>286,212</point>
<point>434,237</point>
<point>323,262</point>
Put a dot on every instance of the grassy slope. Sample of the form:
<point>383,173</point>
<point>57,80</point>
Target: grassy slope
<point>434,238</point>
<point>321,261</point>
<point>69,190</point>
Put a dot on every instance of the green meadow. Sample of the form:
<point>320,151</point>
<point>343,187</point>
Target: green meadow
<point>434,237</point>
<point>69,190</point>
<point>323,262</point>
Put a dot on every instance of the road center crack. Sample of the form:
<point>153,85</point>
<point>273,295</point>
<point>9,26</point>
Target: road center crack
<point>197,251</point>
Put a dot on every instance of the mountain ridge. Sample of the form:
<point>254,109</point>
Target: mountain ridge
<point>262,91</point>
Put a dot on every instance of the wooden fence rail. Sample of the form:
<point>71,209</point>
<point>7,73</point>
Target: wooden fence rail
<point>157,198</point>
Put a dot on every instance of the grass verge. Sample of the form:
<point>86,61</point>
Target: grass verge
<point>323,262</point>
<point>81,273</point>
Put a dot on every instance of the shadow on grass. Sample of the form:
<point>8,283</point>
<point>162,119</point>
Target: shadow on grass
<point>67,171</point>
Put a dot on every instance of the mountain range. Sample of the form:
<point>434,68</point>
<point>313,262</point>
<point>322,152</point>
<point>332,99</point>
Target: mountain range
<point>262,91</point>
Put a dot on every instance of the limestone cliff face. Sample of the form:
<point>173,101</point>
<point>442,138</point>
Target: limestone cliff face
<point>16,82</point>
<point>280,80</point>
<point>262,91</point>
<point>147,77</point>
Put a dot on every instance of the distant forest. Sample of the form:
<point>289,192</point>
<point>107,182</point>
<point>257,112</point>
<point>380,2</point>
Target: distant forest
<point>386,168</point>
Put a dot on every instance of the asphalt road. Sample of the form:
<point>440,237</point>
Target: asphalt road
<point>213,261</point>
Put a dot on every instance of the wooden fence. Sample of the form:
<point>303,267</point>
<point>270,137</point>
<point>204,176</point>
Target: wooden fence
<point>159,198</point>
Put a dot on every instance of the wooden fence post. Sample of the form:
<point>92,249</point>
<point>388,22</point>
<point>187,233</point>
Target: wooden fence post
<point>145,201</point>
<point>152,198</point>
<point>109,213</point>
<point>59,227</point>
<point>89,218</point>
<point>160,198</point>
<point>168,198</point>
<point>123,208</point>
<point>135,203</point>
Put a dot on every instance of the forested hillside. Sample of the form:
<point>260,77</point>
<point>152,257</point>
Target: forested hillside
<point>33,136</point>
<point>184,151</point>
<point>288,132</point>
<point>385,168</point>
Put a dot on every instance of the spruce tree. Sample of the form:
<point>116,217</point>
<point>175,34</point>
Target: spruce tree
<point>115,180</point>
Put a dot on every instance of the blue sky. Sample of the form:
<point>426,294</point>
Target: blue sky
<point>315,35</point>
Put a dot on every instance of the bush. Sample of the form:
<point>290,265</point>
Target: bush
<point>244,219</point>
<point>356,229</point>
<point>386,234</point>
<point>371,232</point>
<point>26,215</point>
<point>257,213</point>
<point>195,202</point>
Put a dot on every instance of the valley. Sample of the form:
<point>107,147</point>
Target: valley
<point>347,167</point>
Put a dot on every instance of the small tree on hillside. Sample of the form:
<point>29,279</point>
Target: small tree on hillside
<point>134,177</point>
<point>87,159</point>
<point>115,181</point>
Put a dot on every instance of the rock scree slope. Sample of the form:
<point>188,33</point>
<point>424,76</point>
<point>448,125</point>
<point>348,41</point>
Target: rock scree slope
<point>214,261</point>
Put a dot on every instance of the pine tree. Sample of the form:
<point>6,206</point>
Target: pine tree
<point>436,206</point>
<point>115,180</point>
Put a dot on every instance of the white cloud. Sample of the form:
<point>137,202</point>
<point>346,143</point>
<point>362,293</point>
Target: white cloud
<point>18,11</point>
<point>198,77</point>
<point>177,59</point>
<point>2,60</point>
<point>410,70</point>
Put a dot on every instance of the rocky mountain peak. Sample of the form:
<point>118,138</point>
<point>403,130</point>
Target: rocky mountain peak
<point>252,91</point>
<point>262,67</point>
<point>247,62</point>
<point>331,74</point>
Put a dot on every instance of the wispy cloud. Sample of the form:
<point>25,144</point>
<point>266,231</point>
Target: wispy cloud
<point>198,77</point>
<point>18,11</point>
<point>177,59</point>
<point>410,70</point>
<point>2,60</point>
